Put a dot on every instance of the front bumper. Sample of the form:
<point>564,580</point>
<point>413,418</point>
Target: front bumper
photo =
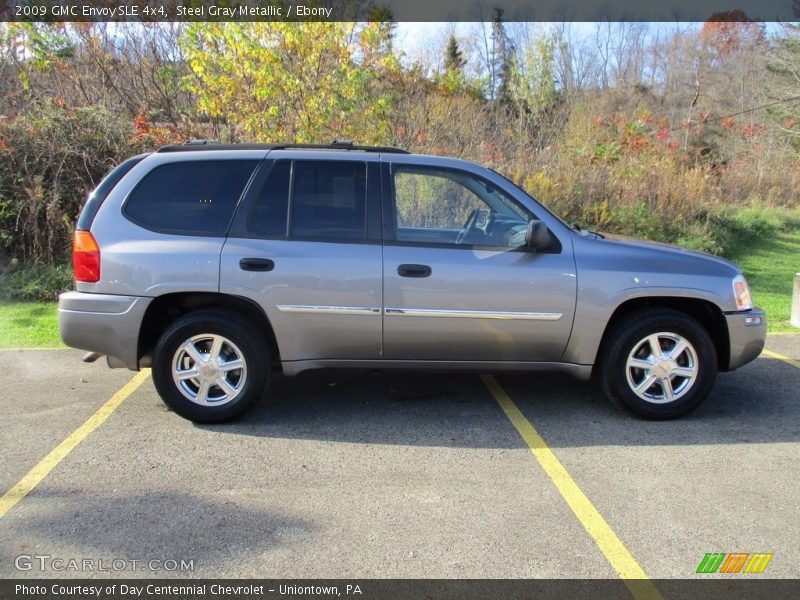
<point>747,332</point>
<point>103,323</point>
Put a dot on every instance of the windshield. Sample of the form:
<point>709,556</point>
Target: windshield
<point>516,187</point>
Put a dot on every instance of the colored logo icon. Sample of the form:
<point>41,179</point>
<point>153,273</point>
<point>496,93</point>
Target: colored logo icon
<point>734,562</point>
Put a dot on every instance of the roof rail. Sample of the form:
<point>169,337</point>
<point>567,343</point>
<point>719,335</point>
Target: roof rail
<point>193,145</point>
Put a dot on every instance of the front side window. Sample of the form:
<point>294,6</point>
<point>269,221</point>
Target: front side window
<point>193,197</point>
<point>445,206</point>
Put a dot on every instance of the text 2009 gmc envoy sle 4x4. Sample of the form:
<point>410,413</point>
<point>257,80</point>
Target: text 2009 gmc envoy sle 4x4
<point>215,263</point>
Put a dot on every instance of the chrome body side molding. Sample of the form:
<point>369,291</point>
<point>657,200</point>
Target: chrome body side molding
<point>329,310</point>
<point>473,314</point>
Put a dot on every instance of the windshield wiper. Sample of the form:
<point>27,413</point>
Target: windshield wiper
<point>581,230</point>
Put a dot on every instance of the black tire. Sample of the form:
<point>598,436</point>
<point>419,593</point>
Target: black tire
<point>632,338</point>
<point>247,384</point>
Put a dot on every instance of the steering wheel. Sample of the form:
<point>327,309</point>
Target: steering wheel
<point>468,225</point>
<point>484,220</point>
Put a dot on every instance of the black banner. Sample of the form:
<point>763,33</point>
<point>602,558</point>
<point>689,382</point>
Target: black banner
<point>733,588</point>
<point>398,10</point>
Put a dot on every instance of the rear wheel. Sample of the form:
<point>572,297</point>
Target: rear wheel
<point>210,366</point>
<point>659,364</point>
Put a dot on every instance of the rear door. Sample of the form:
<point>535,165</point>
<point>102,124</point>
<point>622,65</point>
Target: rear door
<point>459,284</point>
<point>305,245</point>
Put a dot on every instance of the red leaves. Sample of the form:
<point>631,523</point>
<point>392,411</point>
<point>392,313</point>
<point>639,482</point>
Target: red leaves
<point>636,142</point>
<point>728,32</point>
<point>748,131</point>
<point>490,153</point>
<point>161,136</point>
<point>141,124</point>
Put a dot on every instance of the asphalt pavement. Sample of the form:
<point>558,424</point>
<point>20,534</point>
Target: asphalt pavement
<point>385,474</point>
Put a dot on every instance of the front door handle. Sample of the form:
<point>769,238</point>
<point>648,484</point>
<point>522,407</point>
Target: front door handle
<point>413,270</point>
<point>256,264</point>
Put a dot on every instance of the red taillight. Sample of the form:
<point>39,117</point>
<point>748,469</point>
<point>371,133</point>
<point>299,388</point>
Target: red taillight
<point>85,257</point>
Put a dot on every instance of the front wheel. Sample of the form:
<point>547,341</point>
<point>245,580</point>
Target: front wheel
<point>211,366</point>
<point>659,364</point>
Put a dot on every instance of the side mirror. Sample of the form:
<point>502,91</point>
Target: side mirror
<point>537,235</point>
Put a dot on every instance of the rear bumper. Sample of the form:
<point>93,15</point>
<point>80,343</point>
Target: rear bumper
<point>103,323</point>
<point>747,332</point>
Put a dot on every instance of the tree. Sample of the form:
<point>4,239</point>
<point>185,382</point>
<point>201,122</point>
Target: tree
<point>454,58</point>
<point>302,82</point>
<point>502,63</point>
<point>533,85</point>
<point>785,64</point>
<point>453,80</point>
<point>135,68</point>
<point>729,32</point>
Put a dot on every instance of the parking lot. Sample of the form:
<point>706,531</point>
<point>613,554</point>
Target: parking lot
<point>384,474</point>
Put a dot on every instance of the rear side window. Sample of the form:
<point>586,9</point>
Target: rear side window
<point>196,197</point>
<point>329,200</point>
<point>101,192</point>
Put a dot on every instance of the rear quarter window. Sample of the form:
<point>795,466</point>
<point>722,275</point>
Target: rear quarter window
<point>101,192</point>
<point>193,197</point>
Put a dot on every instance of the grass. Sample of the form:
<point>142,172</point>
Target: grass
<point>29,325</point>
<point>770,263</point>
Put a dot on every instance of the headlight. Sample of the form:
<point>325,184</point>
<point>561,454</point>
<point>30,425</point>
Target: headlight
<point>741,291</point>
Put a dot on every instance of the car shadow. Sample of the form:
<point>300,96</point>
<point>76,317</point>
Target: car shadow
<point>757,403</point>
<point>378,407</point>
<point>162,526</point>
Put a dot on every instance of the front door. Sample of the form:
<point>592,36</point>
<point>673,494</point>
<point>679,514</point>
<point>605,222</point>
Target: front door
<point>459,283</point>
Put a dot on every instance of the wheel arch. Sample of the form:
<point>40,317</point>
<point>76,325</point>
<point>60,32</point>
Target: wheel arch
<point>165,309</point>
<point>705,312</point>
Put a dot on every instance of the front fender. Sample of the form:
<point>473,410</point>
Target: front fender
<point>594,311</point>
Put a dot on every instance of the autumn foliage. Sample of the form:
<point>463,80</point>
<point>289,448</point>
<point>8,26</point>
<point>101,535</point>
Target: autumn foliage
<point>641,131</point>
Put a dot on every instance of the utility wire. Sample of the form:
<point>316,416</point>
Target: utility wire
<point>736,114</point>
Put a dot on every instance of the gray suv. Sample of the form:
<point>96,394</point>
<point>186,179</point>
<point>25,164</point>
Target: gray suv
<point>218,264</point>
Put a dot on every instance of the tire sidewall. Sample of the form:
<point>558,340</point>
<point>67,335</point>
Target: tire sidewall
<point>239,331</point>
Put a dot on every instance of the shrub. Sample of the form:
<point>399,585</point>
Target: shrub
<point>50,159</point>
<point>36,283</point>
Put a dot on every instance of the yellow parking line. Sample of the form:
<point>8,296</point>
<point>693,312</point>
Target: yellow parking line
<point>610,545</point>
<point>49,462</point>
<point>783,357</point>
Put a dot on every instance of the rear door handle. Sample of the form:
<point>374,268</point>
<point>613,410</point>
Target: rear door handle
<point>413,270</point>
<point>256,264</point>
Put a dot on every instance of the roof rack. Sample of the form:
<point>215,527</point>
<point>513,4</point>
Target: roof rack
<point>193,145</point>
